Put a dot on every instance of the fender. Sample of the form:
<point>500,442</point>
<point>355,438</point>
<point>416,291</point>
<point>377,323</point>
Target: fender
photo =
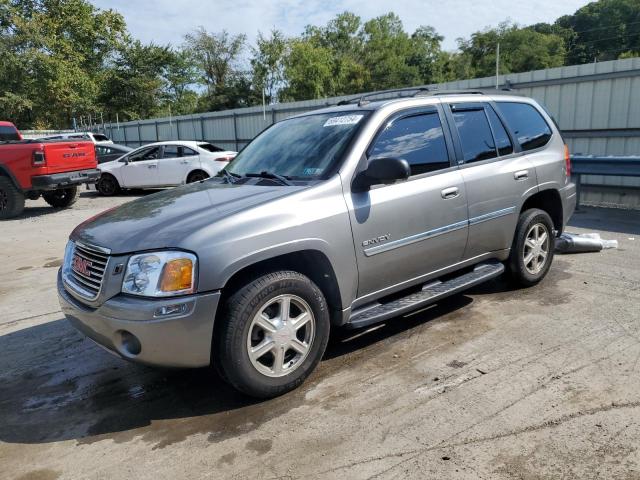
<point>5,172</point>
<point>347,283</point>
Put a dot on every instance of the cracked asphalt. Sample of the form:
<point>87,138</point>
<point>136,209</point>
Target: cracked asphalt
<point>492,384</point>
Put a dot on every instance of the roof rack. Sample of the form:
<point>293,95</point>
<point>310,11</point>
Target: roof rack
<point>362,99</point>
<point>426,91</point>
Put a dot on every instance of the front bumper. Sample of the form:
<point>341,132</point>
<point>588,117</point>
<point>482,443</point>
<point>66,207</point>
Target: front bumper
<point>66,179</point>
<point>183,340</point>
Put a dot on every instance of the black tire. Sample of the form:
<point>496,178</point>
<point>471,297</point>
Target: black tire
<point>197,176</point>
<point>231,348</point>
<point>108,185</point>
<point>62,198</point>
<point>11,199</point>
<point>529,273</point>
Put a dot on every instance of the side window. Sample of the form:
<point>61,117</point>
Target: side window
<point>499,133</point>
<point>147,154</point>
<point>527,124</point>
<point>475,134</point>
<point>102,150</point>
<point>187,152</point>
<point>171,151</point>
<point>418,139</point>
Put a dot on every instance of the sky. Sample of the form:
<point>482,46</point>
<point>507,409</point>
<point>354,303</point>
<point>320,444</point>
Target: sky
<point>167,21</point>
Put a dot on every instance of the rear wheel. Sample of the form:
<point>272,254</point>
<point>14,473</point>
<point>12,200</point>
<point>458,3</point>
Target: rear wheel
<point>61,198</point>
<point>197,176</point>
<point>108,185</point>
<point>533,247</point>
<point>275,332</point>
<point>11,199</point>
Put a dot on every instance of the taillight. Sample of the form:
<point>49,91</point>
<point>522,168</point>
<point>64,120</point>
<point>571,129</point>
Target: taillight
<point>567,161</point>
<point>38,159</point>
<point>225,159</point>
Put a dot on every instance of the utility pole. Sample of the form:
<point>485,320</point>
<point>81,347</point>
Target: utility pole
<point>497,65</point>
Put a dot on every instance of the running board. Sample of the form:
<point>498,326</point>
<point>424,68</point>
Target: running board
<point>430,293</point>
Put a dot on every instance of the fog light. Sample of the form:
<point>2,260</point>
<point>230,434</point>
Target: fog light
<point>129,343</point>
<point>175,309</point>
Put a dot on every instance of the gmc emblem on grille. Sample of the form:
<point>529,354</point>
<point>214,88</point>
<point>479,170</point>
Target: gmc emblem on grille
<point>81,266</point>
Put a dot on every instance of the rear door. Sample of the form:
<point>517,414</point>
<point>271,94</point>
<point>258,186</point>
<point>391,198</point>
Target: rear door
<point>142,168</point>
<point>177,161</point>
<point>496,175</point>
<point>407,230</point>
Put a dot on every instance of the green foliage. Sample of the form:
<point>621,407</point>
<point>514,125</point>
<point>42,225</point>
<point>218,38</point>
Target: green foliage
<point>62,59</point>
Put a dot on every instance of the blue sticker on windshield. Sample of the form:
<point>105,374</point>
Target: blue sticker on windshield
<point>312,171</point>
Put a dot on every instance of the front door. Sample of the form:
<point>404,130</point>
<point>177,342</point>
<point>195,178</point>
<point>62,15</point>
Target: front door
<point>142,168</point>
<point>496,176</point>
<point>404,231</point>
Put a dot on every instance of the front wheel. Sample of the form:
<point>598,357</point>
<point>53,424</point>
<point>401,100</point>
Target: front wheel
<point>275,331</point>
<point>533,247</point>
<point>107,185</point>
<point>61,198</point>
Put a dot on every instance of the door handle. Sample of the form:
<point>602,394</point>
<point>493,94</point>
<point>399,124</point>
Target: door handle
<point>451,192</point>
<point>184,162</point>
<point>152,166</point>
<point>521,175</point>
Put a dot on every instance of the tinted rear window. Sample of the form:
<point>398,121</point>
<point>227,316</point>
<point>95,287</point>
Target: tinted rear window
<point>100,138</point>
<point>475,135</point>
<point>8,133</point>
<point>527,124</point>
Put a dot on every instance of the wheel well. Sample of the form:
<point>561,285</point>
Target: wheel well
<point>5,173</point>
<point>312,263</point>
<point>197,170</point>
<point>550,202</point>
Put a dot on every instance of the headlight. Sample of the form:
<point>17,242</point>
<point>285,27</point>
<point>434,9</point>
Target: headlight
<point>160,274</point>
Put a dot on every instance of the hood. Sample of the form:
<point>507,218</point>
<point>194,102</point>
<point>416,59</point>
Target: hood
<point>163,219</point>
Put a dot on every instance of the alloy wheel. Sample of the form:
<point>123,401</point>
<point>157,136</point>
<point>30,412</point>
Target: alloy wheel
<point>536,248</point>
<point>280,335</point>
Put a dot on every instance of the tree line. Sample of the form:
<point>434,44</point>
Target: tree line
<point>66,59</point>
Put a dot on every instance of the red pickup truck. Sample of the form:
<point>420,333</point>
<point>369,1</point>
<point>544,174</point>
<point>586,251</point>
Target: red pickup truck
<point>51,168</point>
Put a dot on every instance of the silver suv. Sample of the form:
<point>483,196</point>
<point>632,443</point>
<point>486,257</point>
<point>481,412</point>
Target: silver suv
<point>341,217</point>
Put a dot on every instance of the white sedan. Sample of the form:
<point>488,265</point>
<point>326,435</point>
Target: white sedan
<point>163,164</point>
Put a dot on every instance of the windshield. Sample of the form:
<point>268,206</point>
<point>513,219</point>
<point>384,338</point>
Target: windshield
<point>303,148</point>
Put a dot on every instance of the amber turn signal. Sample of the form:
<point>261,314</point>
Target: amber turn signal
<point>177,276</point>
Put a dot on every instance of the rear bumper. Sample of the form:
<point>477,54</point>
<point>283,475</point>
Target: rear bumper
<point>65,179</point>
<point>569,198</point>
<point>182,340</point>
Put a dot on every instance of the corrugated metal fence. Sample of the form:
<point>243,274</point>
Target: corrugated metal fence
<point>597,106</point>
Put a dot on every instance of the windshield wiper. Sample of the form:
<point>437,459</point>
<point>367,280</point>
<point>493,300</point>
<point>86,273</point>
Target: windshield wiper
<point>229,176</point>
<point>283,179</point>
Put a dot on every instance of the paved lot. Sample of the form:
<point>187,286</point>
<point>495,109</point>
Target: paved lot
<point>537,383</point>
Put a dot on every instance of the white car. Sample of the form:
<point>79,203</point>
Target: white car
<point>163,164</point>
<point>97,138</point>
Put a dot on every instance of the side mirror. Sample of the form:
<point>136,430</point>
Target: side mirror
<point>382,171</point>
<point>125,160</point>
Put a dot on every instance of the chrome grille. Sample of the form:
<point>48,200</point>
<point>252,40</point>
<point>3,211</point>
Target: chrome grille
<point>95,262</point>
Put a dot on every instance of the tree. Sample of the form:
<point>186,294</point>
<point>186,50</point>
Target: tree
<point>521,50</point>
<point>216,55</point>
<point>387,49</point>
<point>602,30</point>
<point>135,86</point>
<point>267,64</point>
<point>308,71</point>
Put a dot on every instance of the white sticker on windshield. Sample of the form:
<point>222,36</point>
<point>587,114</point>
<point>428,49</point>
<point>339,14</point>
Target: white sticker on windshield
<point>343,120</point>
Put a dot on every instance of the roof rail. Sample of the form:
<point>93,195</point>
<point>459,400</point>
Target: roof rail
<point>362,99</point>
<point>470,91</point>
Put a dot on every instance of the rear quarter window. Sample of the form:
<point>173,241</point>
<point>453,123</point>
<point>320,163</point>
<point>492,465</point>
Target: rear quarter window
<point>530,128</point>
<point>8,133</point>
